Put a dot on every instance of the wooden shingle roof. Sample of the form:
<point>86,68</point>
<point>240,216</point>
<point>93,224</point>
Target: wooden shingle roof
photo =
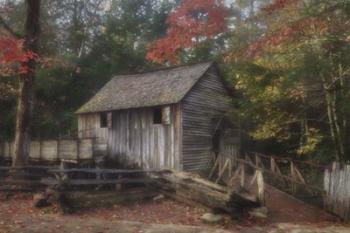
<point>155,88</point>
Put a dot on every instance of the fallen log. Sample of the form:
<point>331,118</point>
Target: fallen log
<point>190,188</point>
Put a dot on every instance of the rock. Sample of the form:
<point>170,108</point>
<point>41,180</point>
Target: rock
<point>40,200</point>
<point>65,204</point>
<point>56,197</point>
<point>159,197</point>
<point>52,195</point>
<point>259,212</point>
<point>211,218</point>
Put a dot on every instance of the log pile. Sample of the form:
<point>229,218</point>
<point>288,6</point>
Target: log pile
<point>192,189</point>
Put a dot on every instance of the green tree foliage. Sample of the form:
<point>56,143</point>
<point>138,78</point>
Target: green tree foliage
<point>294,76</point>
<point>83,44</point>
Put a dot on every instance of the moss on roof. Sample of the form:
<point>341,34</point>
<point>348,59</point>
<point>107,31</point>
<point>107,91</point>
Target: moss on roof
<point>155,88</point>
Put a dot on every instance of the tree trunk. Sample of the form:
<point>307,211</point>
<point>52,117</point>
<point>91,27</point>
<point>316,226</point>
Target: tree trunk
<point>26,82</point>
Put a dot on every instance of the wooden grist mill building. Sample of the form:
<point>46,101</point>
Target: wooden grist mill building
<point>172,118</point>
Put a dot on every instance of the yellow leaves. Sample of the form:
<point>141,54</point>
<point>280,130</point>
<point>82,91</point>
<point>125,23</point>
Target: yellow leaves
<point>311,139</point>
<point>348,38</point>
<point>267,130</point>
<point>274,124</point>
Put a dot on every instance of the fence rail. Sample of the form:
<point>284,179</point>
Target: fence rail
<point>333,188</point>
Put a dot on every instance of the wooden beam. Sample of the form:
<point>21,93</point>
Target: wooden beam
<point>242,175</point>
<point>214,168</point>
<point>235,175</point>
<point>222,171</point>
<point>261,187</point>
<point>299,175</point>
<point>50,181</point>
<point>109,171</point>
<point>285,177</point>
<point>292,173</point>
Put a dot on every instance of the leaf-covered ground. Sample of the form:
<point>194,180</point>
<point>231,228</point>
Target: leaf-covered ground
<point>17,214</point>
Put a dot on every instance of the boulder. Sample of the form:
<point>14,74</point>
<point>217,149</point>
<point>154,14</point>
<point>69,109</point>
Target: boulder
<point>259,212</point>
<point>159,197</point>
<point>40,200</point>
<point>212,218</point>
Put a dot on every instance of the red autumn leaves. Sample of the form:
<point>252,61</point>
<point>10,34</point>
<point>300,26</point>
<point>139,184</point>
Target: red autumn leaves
<point>13,58</point>
<point>279,5</point>
<point>193,22</point>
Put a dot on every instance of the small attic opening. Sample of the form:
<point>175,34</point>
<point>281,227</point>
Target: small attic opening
<point>103,120</point>
<point>157,116</point>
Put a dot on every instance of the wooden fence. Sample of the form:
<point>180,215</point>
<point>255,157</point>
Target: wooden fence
<point>333,186</point>
<point>51,150</point>
<point>231,170</point>
<point>337,188</point>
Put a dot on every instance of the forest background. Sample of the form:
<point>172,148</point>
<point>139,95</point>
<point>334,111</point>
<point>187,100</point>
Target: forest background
<point>288,62</point>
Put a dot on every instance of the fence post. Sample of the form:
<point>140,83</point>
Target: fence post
<point>261,187</point>
<point>40,148</point>
<point>242,174</point>
<point>78,149</point>
<point>292,172</point>
<point>272,165</point>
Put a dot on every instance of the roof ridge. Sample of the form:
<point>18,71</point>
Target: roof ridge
<point>161,69</point>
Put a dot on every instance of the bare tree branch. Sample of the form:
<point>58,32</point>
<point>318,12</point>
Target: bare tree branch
<point>9,29</point>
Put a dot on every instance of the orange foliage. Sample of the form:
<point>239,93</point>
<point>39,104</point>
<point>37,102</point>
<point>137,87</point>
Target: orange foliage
<point>191,23</point>
<point>13,57</point>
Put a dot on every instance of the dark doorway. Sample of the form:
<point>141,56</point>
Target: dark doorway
<point>216,141</point>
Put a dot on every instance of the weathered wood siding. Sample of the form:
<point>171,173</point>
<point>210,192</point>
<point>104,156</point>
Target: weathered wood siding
<point>134,140</point>
<point>89,126</point>
<point>208,100</point>
<point>337,188</point>
<point>49,150</point>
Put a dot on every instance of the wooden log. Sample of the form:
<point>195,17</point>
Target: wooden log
<point>194,189</point>
<point>109,171</point>
<point>21,182</point>
<point>51,181</point>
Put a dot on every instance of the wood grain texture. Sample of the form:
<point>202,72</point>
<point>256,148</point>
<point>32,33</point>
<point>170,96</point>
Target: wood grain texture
<point>337,188</point>
<point>51,150</point>
<point>136,141</point>
<point>184,141</point>
<point>208,100</point>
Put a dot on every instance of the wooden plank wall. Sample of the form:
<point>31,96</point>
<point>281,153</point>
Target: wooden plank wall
<point>134,140</point>
<point>89,126</point>
<point>207,100</point>
<point>337,187</point>
<point>51,150</point>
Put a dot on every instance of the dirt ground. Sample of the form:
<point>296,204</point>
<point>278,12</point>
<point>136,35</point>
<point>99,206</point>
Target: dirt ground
<point>18,215</point>
<point>284,208</point>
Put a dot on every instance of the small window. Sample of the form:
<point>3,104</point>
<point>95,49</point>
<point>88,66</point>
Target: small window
<point>157,116</point>
<point>104,120</point>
